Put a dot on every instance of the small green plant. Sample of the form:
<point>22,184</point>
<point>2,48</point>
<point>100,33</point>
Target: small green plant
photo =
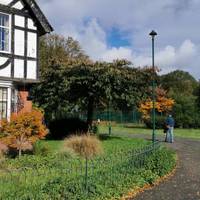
<point>161,162</point>
<point>41,149</point>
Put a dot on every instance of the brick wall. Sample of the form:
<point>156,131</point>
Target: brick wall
<point>26,105</point>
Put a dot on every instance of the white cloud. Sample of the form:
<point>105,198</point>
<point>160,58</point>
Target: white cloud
<point>88,21</point>
<point>117,53</point>
<point>171,58</point>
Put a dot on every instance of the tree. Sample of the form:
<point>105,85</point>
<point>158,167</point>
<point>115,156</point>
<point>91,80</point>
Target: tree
<point>179,82</point>
<point>198,96</point>
<point>58,50</point>
<point>86,86</point>
<point>163,104</point>
<point>56,53</point>
<point>70,81</point>
<point>183,88</point>
<point>23,130</point>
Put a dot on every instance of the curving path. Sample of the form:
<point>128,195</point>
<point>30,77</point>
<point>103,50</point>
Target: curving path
<point>185,184</point>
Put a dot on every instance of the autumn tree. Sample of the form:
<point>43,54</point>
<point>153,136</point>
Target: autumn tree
<point>58,50</point>
<point>163,104</point>
<point>23,130</point>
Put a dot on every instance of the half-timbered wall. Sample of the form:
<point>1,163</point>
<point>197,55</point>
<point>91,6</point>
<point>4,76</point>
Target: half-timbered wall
<point>21,24</point>
<point>21,62</point>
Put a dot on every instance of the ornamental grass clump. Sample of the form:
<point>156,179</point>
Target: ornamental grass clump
<point>86,146</point>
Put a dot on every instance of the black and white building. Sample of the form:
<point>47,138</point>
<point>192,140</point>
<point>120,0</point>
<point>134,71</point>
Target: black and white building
<point>21,24</point>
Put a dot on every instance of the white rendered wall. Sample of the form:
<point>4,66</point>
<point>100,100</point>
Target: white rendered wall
<point>32,45</point>
<point>31,69</point>
<point>31,24</point>
<point>3,60</point>
<point>19,42</point>
<point>6,72</point>
<point>19,5</point>
<point>18,68</point>
<point>19,21</point>
<point>5,2</point>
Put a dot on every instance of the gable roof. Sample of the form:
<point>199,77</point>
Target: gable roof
<point>36,12</point>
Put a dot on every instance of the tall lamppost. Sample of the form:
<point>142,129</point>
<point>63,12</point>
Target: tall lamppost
<point>109,119</point>
<point>153,34</point>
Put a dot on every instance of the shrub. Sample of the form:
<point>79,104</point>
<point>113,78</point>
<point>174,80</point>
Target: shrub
<point>23,130</point>
<point>187,120</point>
<point>61,128</point>
<point>161,161</point>
<point>160,122</point>
<point>85,146</point>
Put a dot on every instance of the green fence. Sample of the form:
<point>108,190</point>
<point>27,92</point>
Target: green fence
<point>126,116</point>
<point>75,178</point>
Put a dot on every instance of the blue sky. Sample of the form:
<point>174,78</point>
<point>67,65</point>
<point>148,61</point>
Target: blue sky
<point>111,29</point>
<point>116,38</point>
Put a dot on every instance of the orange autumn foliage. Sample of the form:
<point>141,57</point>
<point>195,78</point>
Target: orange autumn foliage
<point>162,104</point>
<point>23,130</point>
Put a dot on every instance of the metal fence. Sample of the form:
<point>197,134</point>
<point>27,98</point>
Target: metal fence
<point>117,116</point>
<point>76,175</point>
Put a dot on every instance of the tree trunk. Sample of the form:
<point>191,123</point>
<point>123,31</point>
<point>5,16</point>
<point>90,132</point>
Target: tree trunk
<point>90,111</point>
<point>20,152</point>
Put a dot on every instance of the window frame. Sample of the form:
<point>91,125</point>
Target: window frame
<point>4,101</point>
<point>9,35</point>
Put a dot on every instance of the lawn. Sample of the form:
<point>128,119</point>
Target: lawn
<point>109,144</point>
<point>60,176</point>
<point>118,129</point>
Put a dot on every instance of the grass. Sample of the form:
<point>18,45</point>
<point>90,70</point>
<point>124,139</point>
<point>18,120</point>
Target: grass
<point>110,176</point>
<point>109,144</point>
<point>119,129</point>
<point>54,145</point>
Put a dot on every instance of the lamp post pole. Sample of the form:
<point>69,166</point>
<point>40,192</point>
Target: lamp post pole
<point>153,34</point>
<point>109,118</point>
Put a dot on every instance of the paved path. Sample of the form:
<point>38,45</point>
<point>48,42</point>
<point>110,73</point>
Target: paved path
<point>185,184</point>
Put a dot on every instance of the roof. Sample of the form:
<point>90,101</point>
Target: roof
<point>36,12</point>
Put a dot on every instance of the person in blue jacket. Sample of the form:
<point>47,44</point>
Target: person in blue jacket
<point>170,129</point>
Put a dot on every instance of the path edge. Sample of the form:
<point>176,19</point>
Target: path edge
<point>138,190</point>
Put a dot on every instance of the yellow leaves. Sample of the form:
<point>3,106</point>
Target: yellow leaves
<point>162,104</point>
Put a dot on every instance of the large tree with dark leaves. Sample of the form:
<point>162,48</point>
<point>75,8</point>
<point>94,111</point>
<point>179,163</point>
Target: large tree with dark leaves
<point>198,96</point>
<point>86,86</point>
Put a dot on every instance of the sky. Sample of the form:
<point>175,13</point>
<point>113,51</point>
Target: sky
<point>119,29</point>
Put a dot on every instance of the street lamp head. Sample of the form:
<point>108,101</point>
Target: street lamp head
<point>153,34</point>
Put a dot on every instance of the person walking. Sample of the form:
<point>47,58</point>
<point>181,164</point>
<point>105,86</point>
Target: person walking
<point>170,129</point>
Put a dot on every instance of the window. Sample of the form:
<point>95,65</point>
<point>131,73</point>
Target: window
<point>3,103</point>
<point>14,101</point>
<point>4,32</point>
